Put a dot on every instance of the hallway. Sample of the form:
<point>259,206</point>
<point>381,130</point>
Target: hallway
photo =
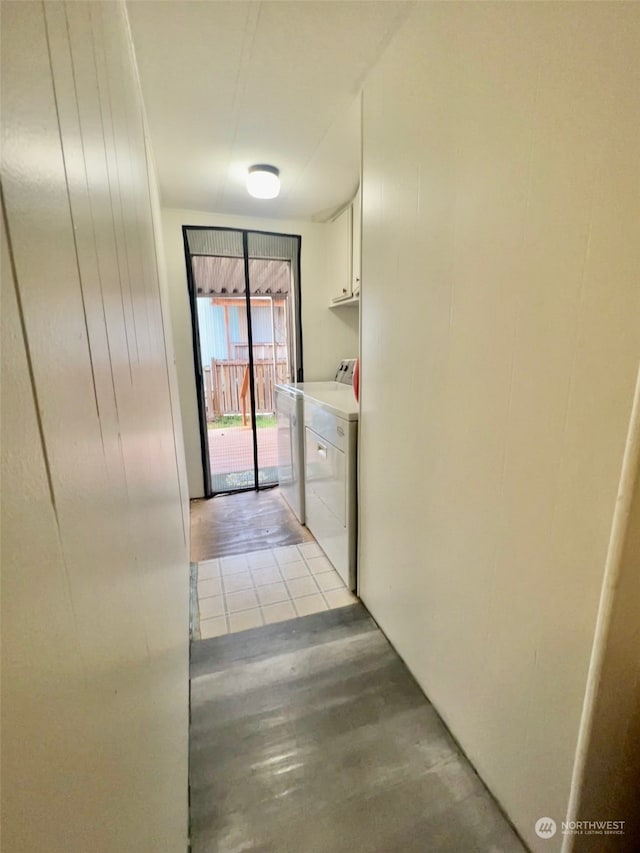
<point>311,736</point>
<point>243,522</point>
<point>241,582</point>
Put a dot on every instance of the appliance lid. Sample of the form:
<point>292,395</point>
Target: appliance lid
<point>289,389</point>
<point>339,400</point>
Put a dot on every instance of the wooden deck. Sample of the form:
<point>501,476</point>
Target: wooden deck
<point>231,453</point>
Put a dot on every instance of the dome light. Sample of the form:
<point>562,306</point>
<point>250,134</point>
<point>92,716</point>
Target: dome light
<point>263,181</point>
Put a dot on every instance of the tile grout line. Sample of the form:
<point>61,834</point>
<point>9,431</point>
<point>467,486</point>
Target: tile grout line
<point>228,613</point>
<point>225,609</point>
<point>255,590</point>
<point>286,586</point>
<point>314,578</point>
<point>275,564</point>
<point>254,587</point>
<point>332,569</point>
<point>222,615</point>
<point>291,596</point>
<point>284,580</point>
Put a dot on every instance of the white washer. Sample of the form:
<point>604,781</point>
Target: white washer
<point>291,447</point>
<point>290,417</point>
<point>331,436</point>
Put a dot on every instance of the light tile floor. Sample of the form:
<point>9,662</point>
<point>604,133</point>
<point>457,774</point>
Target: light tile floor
<point>249,590</point>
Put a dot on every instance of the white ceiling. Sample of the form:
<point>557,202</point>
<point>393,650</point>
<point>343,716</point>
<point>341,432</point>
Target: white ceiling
<point>229,84</point>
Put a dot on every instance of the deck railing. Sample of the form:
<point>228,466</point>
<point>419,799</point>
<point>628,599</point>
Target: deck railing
<point>261,352</point>
<point>224,380</point>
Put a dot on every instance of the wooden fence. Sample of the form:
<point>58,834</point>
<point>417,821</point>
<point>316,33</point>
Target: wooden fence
<point>261,352</point>
<point>223,385</point>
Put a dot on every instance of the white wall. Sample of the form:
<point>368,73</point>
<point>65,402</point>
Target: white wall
<point>95,571</point>
<point>607,773</point>
<point>500,267</point>
<point>327,336</point>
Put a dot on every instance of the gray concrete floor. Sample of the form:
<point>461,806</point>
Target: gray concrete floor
<point>311,736</point>
<point>247,521</point>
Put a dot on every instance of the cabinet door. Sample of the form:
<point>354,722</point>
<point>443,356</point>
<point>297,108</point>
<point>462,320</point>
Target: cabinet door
<point>356,242</point>
<point>339,254</point>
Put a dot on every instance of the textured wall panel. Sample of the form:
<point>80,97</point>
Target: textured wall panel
<point>500,346</point>
<point>94,550</point>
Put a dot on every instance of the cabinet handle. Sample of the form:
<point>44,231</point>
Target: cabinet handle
<point>322,451</point>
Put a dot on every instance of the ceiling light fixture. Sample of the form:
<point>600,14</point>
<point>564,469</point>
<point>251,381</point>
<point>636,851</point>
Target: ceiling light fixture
<point>263,181</point>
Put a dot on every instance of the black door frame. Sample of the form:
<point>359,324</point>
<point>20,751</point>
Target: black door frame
<point>195,337</point>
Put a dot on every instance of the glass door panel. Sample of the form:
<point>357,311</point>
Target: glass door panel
<point>270,368</point>
<point>243,289</point>
<point>225,363</point>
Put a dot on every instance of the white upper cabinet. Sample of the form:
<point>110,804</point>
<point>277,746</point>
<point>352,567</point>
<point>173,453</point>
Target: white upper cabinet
<point>339,254</point>
<point>344,254</point>
<point>356,243</point>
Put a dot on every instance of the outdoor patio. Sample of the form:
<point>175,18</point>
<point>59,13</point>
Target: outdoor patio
<point>231,457</point>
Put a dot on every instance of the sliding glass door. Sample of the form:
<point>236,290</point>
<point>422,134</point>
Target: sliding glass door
<point>245,303</point>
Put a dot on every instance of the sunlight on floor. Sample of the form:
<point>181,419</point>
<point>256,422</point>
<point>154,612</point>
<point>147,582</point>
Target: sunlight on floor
<point>262,587</point>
